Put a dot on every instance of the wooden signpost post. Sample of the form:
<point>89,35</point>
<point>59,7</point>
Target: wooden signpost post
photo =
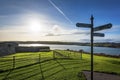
<point>91,26</point>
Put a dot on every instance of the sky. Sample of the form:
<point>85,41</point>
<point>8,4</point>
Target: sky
<point>55,20</point>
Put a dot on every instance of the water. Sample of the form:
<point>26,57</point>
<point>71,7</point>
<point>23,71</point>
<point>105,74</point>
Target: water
<point>106,50</point>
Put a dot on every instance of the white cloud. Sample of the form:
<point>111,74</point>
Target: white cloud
<point>56,30</point>
<point>60,33</point>
<point>59,30</point>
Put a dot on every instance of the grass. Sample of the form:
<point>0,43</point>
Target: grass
<point>42,66</point>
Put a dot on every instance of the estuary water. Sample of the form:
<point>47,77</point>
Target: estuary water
<point>106,50</point>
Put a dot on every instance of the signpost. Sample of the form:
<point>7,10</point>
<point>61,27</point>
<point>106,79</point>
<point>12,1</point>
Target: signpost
<point>83,25</point>
<point>106,26</point>
<point>99,34</point>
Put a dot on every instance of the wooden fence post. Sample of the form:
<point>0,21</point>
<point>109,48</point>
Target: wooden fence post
<point>81,53</point>
<point>53,54</point>
<point>39,57</point>
<point>13,62</point>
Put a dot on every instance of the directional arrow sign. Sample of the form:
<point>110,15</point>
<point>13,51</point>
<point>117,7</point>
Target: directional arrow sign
<point>106,26</point>
<point>83,25</point>
<point>99,34</point>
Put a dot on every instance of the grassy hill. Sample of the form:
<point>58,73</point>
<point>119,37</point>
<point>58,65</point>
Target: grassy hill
<point>61,65</point>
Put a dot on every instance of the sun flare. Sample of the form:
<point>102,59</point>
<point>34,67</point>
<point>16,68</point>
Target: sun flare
<point>34,25</point>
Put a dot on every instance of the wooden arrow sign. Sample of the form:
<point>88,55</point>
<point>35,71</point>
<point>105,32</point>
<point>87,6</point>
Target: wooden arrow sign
<point>83,25</point>
<point>99,34</point>
<point>106,26</point>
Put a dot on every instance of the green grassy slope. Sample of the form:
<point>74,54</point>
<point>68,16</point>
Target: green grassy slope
<point>42,66</point>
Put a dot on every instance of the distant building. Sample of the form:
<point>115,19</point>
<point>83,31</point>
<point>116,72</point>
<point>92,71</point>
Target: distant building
<point>32,49</point>
<point>7,48</point>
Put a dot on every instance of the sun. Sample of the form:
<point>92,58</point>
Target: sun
<point>34,25</point>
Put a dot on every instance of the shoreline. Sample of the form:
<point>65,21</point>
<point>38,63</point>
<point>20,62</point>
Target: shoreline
<point>99,54</point>
<point>104,54</point>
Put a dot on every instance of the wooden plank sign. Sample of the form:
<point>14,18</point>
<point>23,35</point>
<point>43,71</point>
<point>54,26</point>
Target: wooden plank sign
<point>99,34</point>
<point>83,25</point>
<point>106,26</point>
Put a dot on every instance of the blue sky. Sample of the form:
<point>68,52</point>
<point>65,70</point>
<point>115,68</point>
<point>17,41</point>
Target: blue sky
<point>54,20</point>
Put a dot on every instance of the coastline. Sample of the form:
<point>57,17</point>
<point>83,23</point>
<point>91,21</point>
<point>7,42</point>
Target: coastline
<point>104,54</point>
<point>99,54</point>
<point>99,44</point>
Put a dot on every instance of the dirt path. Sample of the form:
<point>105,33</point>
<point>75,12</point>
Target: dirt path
<point>101,76</point>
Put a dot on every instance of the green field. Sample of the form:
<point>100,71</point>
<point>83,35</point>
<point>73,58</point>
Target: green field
<point>46,66</point>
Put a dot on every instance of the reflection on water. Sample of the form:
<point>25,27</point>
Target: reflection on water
<point>31,44</point>
<point>111,51</point>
